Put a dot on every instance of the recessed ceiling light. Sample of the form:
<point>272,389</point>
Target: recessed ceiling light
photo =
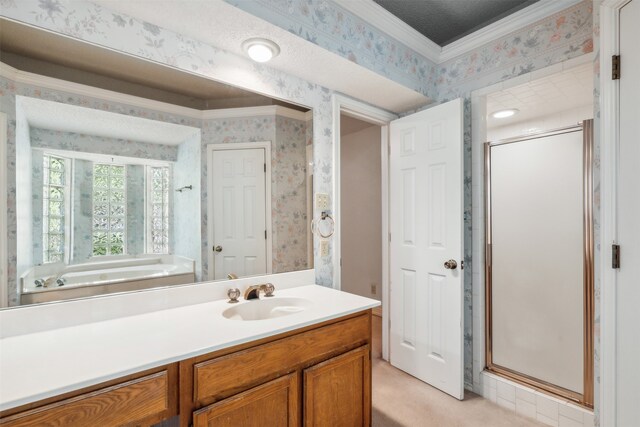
<point>503,114</point>
<point>260,50</point>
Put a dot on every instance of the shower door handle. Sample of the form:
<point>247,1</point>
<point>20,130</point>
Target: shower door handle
<point>451,264</point>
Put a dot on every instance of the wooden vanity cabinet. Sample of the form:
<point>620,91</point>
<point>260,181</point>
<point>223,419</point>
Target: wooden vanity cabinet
<point>316,376</point>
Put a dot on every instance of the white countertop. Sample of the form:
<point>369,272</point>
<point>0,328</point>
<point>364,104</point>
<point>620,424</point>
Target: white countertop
<point>38,365</point>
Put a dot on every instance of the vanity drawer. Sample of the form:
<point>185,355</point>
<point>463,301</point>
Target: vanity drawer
<point>224,376</point>
<point>139,401</point>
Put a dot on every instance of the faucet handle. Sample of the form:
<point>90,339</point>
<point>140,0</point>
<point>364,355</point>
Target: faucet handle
<point>233,294</point>
<point>268,289</point>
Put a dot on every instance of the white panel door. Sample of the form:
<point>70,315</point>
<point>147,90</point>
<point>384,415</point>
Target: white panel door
<point>426,223</point>
<point>239,217</point>
<point>628,285</point>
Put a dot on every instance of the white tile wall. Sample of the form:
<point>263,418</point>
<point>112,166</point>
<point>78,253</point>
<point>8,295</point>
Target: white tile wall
<point>530,403</point>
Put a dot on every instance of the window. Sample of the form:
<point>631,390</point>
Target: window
<point>158,208</point>
<point>109,209</point>
<point>55,192</point>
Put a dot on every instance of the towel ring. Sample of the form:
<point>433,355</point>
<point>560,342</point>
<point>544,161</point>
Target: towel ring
<point>324,216</point>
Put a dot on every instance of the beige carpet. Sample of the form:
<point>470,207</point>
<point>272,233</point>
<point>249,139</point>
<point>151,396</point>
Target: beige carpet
<point>401,400</point>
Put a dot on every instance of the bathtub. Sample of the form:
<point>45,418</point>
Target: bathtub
<point>104,276</point>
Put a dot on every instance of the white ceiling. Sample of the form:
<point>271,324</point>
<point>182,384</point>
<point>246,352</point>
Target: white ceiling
<point>564,91</point>
<point>71,118</point>
<point>226,27</point>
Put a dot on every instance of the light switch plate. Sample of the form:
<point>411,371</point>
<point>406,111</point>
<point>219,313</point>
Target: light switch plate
<point>322,201</point>
<point>324,248</point>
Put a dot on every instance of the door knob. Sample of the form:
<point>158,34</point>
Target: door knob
<point>218,248</point>
<point>451,264</point>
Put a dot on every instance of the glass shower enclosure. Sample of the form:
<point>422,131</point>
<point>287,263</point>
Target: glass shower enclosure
<point>539,261</point>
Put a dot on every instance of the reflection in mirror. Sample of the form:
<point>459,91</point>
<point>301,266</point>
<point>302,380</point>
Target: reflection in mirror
<point>146,185</point>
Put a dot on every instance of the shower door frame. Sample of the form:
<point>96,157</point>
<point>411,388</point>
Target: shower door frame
<point>586,397</point>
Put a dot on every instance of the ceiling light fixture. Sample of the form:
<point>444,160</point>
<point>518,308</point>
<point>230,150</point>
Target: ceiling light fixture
<point>503,114</point>
<point>260,50</point>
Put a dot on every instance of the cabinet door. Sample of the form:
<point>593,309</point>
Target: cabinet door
<point>271,404</point>
<point>338,392</point>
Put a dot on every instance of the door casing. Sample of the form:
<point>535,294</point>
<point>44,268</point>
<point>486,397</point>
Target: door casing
<point>382,118</point>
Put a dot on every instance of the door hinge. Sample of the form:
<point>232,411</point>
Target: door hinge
<point>615,67</point>
<point>615,256</point>
<point>265,234</point>
<point>265,168</point>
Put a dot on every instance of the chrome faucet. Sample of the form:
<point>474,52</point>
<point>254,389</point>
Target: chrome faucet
<point>253,292</point>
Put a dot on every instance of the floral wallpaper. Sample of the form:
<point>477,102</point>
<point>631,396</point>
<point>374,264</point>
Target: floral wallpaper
<point>185,237</point>
<point>135,222</point>
<point>289,208</point>
<point>597,212</point>
<point>82,209</point>
<point>46,138</point>
<point>337,30</point>
<point>559,37</point>
<point>36,207</point>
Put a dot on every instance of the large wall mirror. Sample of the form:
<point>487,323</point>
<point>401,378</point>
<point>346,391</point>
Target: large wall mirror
<point>197,181</point>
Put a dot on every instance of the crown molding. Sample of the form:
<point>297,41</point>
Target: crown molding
<point>505,26</point>
<point>266,110</point>
<point>33,79</point>
<point>379,17</point>
<point>376,15</point>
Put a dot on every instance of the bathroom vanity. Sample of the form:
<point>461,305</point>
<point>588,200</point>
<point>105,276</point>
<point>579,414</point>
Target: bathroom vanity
<point>311,367</point>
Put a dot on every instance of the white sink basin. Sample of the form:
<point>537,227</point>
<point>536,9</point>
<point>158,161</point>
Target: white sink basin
<point>266,308</point>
